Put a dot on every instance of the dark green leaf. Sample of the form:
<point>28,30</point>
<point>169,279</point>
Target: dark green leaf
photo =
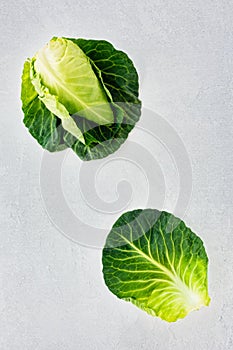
<point>154,260</point>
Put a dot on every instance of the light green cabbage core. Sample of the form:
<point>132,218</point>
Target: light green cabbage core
<point>66,83</point>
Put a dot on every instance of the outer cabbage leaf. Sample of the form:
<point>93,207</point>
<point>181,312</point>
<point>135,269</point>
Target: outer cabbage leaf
<point>154,260</point>
<point>42,124</point>
<point>120,79</point>
<point>115,73</point>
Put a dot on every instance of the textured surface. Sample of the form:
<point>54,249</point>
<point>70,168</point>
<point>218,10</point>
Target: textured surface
<point>52,295</point>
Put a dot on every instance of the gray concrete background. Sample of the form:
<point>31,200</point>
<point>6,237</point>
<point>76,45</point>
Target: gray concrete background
<point>52,295</point>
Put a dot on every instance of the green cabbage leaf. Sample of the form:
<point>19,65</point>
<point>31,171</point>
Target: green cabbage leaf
<point>154,260</point>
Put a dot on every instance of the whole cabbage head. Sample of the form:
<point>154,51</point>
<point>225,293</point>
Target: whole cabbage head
<point>81,94</point>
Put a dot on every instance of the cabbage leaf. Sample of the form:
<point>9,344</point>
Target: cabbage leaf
<point>154,260</point>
